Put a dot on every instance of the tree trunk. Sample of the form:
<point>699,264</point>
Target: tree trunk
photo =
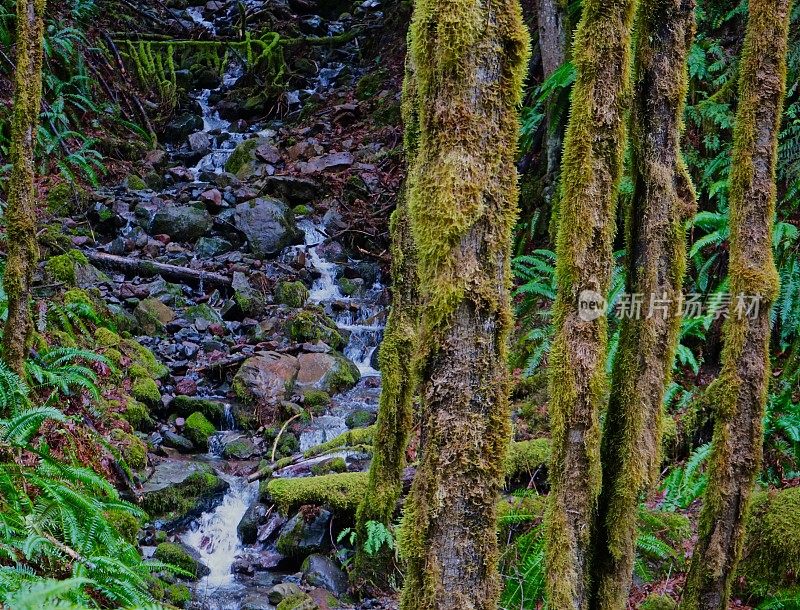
<point>469,59</point>
<point>740,392</point>
<point>23,250</point>
<point>395,417</point>
<point>663,200</point>
<point>591,171</point>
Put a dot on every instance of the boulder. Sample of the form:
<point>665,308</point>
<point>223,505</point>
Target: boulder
<point>330,373</point>
<point>248,526</point>
<point>181,222</point>
<point>268,225</point>
<point>199,143</point>
<point>281,591</point>
<point>179,491</point>
<point>183,557</point>
<point>239,448</point>
<point>213,410</point>
<point>179,128</point>
<point>176,441</point>
<point>321,163</point>
<point>321,571</point>
<point>209,247</point>
<point>300,538</point>
<point>198,429</point>
<point>153,316</point>
<point>294,189</point>
<point>267,379</point>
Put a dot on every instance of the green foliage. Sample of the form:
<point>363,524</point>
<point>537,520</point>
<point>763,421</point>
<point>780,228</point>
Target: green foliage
<point>684,484</point>
<point>65,369</point>
<point>378,536</point>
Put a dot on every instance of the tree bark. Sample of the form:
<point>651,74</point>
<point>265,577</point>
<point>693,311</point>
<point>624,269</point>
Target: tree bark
<point>663,200</point>
<point>23,250</point>
<point>591,171</point>
<point>740,392</point>
<point>469,59</point>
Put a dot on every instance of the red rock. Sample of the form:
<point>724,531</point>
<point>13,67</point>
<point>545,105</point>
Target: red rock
<point>163,238</point>
<point>186,387</point>
<point>212,197</point>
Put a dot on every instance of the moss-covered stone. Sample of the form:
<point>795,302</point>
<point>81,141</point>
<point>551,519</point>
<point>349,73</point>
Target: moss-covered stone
<point>333,465</point>
<point>302,210</point>
<point>135,183</point>
<point>61,268</point>
<point>316,400</point>
<point>311,325</point>
<point>132,449</point>
<point>198,429</point>
<point>125,523</point>
<point>178,595</point>
<point>138,416</point>
<point>347,286</point>
<point>143,357</point>
<point>67,199</point>
<point>340,492</point>
<point>146,390</point>
<point>104,337</point>
<point>175,555</point>
<point>371,84</point>
<point>173,502</point>
<point>213,410</point>
<point>293,294</point>
<point>241,155</point>
<point>298,601</point>
<point>360,419</point>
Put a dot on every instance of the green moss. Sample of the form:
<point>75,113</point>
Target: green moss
<point>297,601</point>
<point>62,267</point>
<point>371,84</point>
<point>213,410</point>
<point>178,595</point>
<point>347,286</point>
<point>176,500</point>
<point>237,449</point>
<point>53,239</point>
<point>132,449</point>
<point>138,415</point>
<point>659,602</point>
<point>527,457</point>
<point>302,210</point>
<point>125,523</point>
<point>293,294</point>
<point>67,199</point>
<point>360,419</point>
<point>104,337</point>
<point>146,390</point>
<point>352,438</point>
<point>135,183</point>
<point>198,429</point>
<point>316,399</point>
<point>340,492</point>
<point>336,464</point>
<point>114,356</point>
<point>176,555</point>
<point>143,357</point>
<point>241,155</point>
<point>308,325</point>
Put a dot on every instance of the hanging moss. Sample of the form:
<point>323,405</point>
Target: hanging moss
<point>740,392</point>
<point>590,175</point>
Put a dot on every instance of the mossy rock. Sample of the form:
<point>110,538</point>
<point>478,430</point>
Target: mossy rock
<point>135,183</point>
<point>316,400</point>
<point>178,502</point>
<point>348,287</point>
<point>659,602</point>
<point>527,457</point>
<point>340,492</point>
<point>358,437</point>
<point>298,601</point>
<point>360,419</point>
<point>771,555</point>
<point>146,390</point>
<point>370,85</point>
<point>310,325</point>
<point>243,153</point>
<point>62,268</point>
<point>198,429</point>
<point>293,294</point>
<point>67,199</point>
<point>144,358</point>
<point>132,449</point>
<point>213,410</point>
<point>333,465</point>
<point>179,556</point>
<point>178,595</point>
<point>125,523</point>
<point>288,444</point>
<point>53,240</point>
<point>302,210</point>
<point>138,416</point>
<point>104,337</point>
<point>239,449</point>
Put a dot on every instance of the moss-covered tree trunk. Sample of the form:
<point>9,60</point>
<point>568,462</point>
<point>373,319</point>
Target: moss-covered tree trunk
<point>663,199</point>
<point>739,394</point>
<point>469,59</point>
<point>590,174</point>
<point>396,356</point>
<point>23,251</point>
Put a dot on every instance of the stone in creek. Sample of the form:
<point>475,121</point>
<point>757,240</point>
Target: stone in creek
<point>267,379</point>
<point>212,198</point>
<point>268,153</point>
<point>294,189</point>
<point>320,571</point>
<point>299,538</point>
<point>268,224</point>
<point>153,316</point>
<point>271,527</point>
<point>176,441</point>
<point>319,164</point>
<point>248,526</point>
<point>186,386</point>
<point>179,128</point>
<point>209,247</point>
<point>200,143</point>
<point>281,591</point>
<point>329,372</point>
<point>181,222</point>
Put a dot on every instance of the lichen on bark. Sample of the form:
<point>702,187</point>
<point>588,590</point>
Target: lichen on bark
<point>655,218</point>
<point>23,249</point>
<point>590,174</point>
<point>469,60</point>
<point>739,393</point>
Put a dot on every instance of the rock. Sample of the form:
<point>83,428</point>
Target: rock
<point>179,491</point>
<point>186,386</point>
<point>255,601</point>
<point>320,571</point>
<point>331,373</point>
<point>248,526</point>
<point>241,448</point>
<point>209,247</point>
<point>153,316</point>
<point>268,153</point>
<point>181,174</point>
<point>183,557</point>
<point>200,143</point>
<point>281,591</point>
<point>294,189</point>
<point>202,312</point>
<point>361,418</point>
<point>293,294</point>
<point>266,380</point>
<point>176,441</point>
<point>212,198</point>
<point>321,163</point>
<point>300,601</point>
<point>244,153</point>
<point>268,225</point>
<point>198,429</point>
<point>310,325</point>
<point>182,126</point>
<point>299,538</point>
<point>182,222</point>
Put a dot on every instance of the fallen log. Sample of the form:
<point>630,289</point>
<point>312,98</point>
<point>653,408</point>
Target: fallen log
<point>147,268</point>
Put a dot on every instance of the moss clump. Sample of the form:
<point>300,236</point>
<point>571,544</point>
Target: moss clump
<point>132,449</point>
<point>114,356</point>
<point>308,325</point>
<point>358,437</point>
<point>771,557</point>
<point>138,416</point>
<point>176,555</point>
<point>343,376</point>
<point>241,155</point>
<point>659,602</point>
<point>104,337</point>
<point>527,456</point>
<point>135,183</point>
<point>62,267</point>
<point>175,501</point>
<point>347,286</point>
<point>67,199</point>
<point>125,523</point>
<point>293,294</point>
<point>143,357</point>
<point>360,419</point>
<point>334,465</point>
<point>240,449</point>
<point>145,390</point>
<point>341,492</point>
<point>53,240</point>
<point>302,210</point>
<point>178,595</point>
<point>198,429</point>
<point>370,85</point>
<point>297,601</point>
<point>213,410</point>
<point>315,399</point>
